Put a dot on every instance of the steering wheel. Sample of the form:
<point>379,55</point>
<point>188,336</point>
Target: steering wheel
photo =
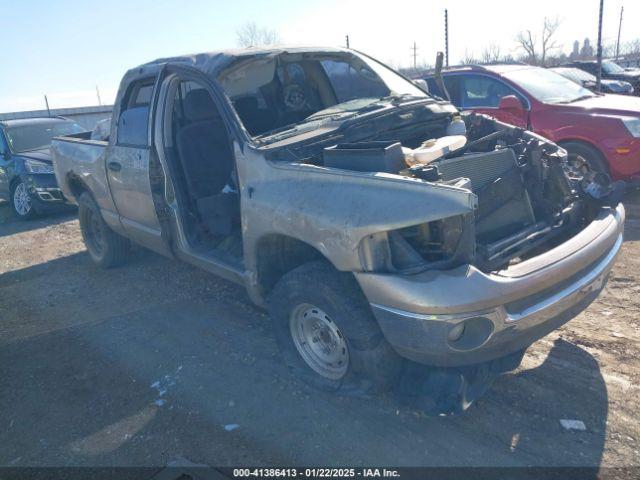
<point>294,97</point>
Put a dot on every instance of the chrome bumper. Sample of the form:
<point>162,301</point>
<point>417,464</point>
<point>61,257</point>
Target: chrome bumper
<point>49,194</point>
<point>514,308</point>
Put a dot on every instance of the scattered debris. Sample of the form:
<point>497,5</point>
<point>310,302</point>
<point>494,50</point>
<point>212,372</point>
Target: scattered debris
<point>230,427</point>
<point>514,441</point>
<point>573,425</point>
<point>617,335</point>
<point>162,386</point>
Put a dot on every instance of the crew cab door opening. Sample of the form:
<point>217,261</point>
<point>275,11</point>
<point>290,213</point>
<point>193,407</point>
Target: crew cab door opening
<point>198,151</point>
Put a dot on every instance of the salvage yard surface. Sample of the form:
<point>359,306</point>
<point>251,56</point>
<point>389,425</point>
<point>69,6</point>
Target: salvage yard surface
<point>157,360</point>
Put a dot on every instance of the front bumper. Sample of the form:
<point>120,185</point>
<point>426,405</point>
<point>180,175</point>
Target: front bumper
<point>502,312</point>
<point>43,187</point>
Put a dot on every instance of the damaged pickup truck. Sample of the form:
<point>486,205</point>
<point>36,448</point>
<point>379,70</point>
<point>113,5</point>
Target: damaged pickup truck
<point>385,233</point>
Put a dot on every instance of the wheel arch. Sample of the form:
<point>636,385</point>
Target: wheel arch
<point>582,141</point>
<point>76,186</point>
<point>276,255</point>
<point>588,144</point>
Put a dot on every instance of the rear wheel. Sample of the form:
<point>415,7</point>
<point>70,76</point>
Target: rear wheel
<point>106,248</point>
<point>327,334</point>
<point>580,153</point>
<point>22,202</point>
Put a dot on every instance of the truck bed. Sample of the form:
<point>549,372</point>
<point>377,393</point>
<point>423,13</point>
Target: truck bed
<point>78,156</point>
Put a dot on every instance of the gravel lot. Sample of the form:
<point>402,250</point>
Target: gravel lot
<point>157,360</point>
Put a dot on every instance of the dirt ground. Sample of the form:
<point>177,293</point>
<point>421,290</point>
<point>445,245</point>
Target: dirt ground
<point>156,361</point>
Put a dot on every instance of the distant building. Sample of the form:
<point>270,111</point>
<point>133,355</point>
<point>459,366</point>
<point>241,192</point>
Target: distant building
<point>575,53</point>
<point>86,117</point>
<point>587,50</point>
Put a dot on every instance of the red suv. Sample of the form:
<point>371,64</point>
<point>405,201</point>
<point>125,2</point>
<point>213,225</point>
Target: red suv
<point>603,129</point>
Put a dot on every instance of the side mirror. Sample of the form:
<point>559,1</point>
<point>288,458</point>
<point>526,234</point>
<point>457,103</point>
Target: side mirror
<point>422,84</point>
<point>511,104</point>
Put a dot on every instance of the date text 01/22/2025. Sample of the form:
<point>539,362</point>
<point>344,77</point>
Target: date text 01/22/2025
<point>315,472</point>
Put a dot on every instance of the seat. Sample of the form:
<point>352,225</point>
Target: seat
<point>204,147</point>
<point>255,119</point>
<point>207,160</point>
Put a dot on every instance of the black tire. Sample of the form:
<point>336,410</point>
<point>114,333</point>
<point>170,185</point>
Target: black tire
<point>594,159</point>
<point>106,248</point>
<point>19,188</point>
<point>372,366</point>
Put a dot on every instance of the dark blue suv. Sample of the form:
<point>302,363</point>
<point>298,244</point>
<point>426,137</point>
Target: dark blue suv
<point>27,180</point>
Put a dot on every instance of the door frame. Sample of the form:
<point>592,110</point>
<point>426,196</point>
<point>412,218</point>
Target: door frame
<point>168,201</point>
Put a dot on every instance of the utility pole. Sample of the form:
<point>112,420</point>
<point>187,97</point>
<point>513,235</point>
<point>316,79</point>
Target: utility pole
<point>619,28</point>
<point>446,37</point>
<point>46,101</point>
<point>347,38</point>
<point>599,70</point>
<point>98,94</point>
<point>415,50</point>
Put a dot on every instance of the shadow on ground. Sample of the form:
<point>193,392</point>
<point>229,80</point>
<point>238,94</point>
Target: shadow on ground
<point>10,225</point>
<point>157,360</point>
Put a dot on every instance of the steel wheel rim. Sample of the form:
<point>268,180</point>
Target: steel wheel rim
<point>21,200</point>
<point>95,234</point>
<point>319,341</point>
<point>577,162</point>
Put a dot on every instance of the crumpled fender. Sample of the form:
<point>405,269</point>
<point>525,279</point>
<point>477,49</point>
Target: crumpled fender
<point>333,210</point>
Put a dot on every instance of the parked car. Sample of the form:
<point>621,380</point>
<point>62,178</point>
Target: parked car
<point>601,129</point>
<point>589,81</point>
<point>610,71</point>
<point>286,171</point>
<point>27,180</point>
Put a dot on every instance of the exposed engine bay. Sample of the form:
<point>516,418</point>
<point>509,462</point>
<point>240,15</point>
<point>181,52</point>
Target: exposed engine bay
<point>529,198</point>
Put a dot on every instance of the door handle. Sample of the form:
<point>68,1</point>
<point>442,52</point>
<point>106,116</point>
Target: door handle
<point>114,166</point>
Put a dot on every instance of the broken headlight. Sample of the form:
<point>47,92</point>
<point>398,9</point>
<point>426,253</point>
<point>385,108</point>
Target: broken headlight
<point>438,244</point>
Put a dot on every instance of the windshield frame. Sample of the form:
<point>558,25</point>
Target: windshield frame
<point>389,78</point>
<point>580,91</point>
<point>8,128</point>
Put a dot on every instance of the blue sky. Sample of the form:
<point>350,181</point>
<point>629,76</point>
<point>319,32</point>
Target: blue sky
<point>65,48</point>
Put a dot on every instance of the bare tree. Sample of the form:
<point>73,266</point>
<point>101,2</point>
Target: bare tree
<point>548,42</point>
<point>491,54</point>
<point>527,42</point>
<point>629,48</point>
<point>251,35</point>
<point>468,58</point>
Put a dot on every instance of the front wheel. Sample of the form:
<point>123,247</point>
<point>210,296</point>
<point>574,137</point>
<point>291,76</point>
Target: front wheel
<point>580,154</point>
<point>22,202</point>
<point>106,248</point>
<point>327,334</point>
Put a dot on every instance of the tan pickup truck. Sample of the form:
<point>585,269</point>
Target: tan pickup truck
<point>304,175</point>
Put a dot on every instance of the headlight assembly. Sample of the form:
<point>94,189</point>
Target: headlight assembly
<point>633,125</point>
<point>438,244</point>
<point>34,166</point>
